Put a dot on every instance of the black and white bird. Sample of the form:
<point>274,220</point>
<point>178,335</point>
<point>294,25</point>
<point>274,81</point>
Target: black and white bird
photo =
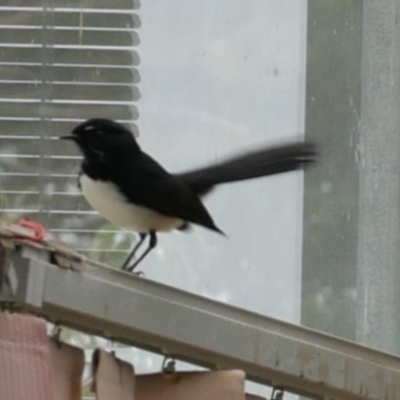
<point>131,190</point>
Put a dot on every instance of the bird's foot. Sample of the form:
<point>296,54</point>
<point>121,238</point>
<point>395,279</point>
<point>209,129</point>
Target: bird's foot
<point>131,271</point>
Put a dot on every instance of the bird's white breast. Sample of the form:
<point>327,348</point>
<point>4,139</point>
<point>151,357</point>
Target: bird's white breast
<point>113,206</point>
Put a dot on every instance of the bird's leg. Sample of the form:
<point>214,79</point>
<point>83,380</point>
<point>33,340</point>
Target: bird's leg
<point>152,244</point>
<point>142,236</point>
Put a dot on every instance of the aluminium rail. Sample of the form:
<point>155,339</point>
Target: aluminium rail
<point>135,311</point>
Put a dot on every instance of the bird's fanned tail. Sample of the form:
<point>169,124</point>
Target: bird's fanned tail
<point>269,161</point>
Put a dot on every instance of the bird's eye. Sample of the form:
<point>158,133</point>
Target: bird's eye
<point>88,128</point>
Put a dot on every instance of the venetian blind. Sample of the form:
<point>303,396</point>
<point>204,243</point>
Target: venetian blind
<point>61,62</point>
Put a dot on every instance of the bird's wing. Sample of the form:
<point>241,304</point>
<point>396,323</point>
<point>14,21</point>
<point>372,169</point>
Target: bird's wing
<point>147,183</point>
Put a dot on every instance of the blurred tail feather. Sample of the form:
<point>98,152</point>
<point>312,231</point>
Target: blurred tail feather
<point>256,164</point>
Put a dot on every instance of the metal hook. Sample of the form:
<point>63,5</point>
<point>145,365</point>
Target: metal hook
<point>112,346</point>
<point>168,365</point>
<point>277,393</point>
<point>168,369</point>
<point>57,334</point>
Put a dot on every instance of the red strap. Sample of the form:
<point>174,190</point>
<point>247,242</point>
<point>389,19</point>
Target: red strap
<point>34,226</point>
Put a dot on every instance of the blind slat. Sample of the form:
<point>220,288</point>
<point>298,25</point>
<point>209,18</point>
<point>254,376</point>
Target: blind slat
<point>33,129</point>
<point>27,165</point>
<point>38,210</point>
<point>95,4</point>
<point>32,73</point>
<point>69,37</point>
<point>33,202</point>
<point>83,111</point>
<point>72,19</point>
<point>23,182</point>
<point>69,56</point>
<point>68,92</point>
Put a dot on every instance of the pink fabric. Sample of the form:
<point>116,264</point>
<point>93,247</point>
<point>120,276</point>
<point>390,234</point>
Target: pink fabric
<point>210,385</point>
<point>67,368</point>
<point>113,378</point>
<point>24,358</point>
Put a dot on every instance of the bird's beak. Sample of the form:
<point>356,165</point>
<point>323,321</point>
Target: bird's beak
<point>69,137</point>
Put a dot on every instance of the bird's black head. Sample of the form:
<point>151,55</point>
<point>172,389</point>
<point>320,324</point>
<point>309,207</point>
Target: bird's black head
<point>100,137</point>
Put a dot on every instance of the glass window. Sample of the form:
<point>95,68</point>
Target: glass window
<point>218,78</point>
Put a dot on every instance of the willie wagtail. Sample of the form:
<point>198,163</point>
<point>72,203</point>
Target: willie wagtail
<point>133,191</point>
